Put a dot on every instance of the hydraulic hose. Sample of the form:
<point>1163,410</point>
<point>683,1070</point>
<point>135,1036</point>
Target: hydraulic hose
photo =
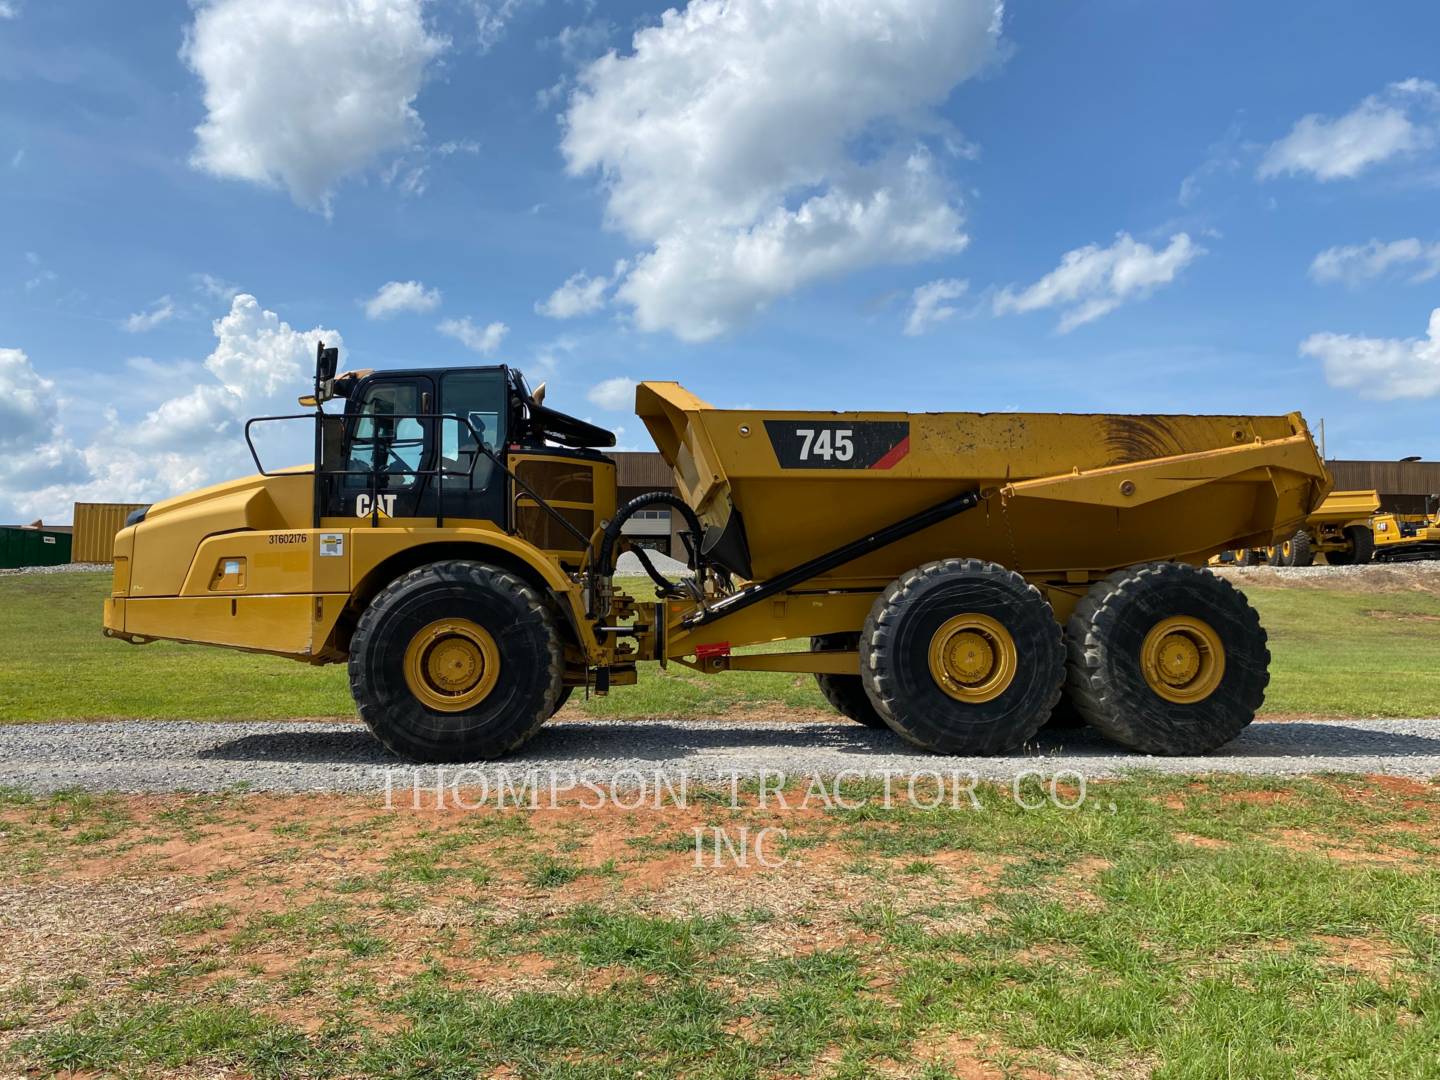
<point>605,561</point>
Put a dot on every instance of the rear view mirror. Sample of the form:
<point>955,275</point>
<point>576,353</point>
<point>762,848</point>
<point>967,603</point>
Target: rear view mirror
<point>326,362</point>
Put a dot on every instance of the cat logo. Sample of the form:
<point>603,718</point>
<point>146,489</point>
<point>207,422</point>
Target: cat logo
<point>383,505</point>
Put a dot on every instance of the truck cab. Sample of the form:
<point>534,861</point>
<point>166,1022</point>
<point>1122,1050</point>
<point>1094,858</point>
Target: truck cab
<point>417,465</point>
<point>429,444</point>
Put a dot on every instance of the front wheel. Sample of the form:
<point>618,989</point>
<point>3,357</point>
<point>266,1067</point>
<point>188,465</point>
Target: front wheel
<point>455,661</point>
<point>1167,658</point>
<point>963,657</point>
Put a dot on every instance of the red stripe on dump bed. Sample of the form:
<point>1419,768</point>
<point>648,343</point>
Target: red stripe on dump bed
<point>894,454</point>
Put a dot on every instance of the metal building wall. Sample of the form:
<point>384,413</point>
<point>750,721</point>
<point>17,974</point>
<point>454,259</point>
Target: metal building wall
<point>1403,485</point>
<point>95,527</point>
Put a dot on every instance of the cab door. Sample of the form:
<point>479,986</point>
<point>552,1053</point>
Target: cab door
<point>389,450</point>
<point>472,487</point>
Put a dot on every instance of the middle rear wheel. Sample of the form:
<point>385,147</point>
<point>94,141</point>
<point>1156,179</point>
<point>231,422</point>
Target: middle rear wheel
<point>845,693</point>
<point>963,657</point>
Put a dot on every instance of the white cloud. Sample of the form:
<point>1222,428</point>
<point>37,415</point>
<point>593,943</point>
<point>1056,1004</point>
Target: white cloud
<point>483,340</point>
<point>397,296</point>
<point>9,10</point>
<point>1380,368</point>
<point>584,41</point>
<point>726,143</point>
<point>1395,123</point>
<point>215,288</point>
<point>492,17</point>
<point>27,403</point>
<point>161,311</point>
<point>1093,281</point>
<point>410,172</point>
<point>1358,263</point>
<point>929,304</point>
<point>192,438</point>
<point>580,295</point>
<point>301,93</point>
<point>613,395</point>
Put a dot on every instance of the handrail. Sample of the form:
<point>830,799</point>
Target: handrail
<point>249,442</point>
<point>374,472</point>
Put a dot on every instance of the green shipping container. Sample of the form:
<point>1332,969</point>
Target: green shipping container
<point>33,547</point>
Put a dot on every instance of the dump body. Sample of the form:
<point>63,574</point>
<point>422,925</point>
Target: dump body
<point>1345,508</point>
<point>1063,493</point>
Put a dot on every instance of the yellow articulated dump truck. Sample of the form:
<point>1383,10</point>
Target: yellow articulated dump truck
<point>1340,528</point>
<point>953,574</point>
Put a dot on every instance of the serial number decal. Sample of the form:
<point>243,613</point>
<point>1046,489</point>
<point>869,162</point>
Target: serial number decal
<point>829,444</point>
<point>288,538</point>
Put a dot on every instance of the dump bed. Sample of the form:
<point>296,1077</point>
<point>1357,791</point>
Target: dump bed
<point>1342,507</point>
<point>1063,492</point>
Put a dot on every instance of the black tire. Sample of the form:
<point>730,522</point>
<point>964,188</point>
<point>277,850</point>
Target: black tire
<point>1362,542</point>
<point>845,693</point>
<point>1245,557</point>
<point>895,658</point>
<point>1105,637</point>
<point>1302,551</point>
<point>1065,716</point>
<point>525,690</point>
<point>1275,555</point>
<point>564,696</point>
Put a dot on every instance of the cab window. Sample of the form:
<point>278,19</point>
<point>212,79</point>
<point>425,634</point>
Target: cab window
<point>382,426</point>
<point>480,397</point>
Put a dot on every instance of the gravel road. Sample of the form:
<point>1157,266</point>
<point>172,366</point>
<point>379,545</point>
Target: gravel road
<point>137,756</point>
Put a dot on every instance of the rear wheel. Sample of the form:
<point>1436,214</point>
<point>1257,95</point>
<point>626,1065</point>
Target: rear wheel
<point>1301,552</point>
<point>845,693</point>
<point>1167,659</point>
<point>962,657</point>
<point>1245,557</point>
<point>455,661</point>
<point>1275,555</point>
<point>1362,542</point>
<point>1065,717</point>
<point>1359,547</point>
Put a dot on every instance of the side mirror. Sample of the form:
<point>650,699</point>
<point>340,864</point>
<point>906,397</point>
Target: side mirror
<point>326,362</point>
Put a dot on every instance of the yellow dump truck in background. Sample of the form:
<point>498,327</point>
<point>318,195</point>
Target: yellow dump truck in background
<point>954,575</point>
<point>1340,529</point>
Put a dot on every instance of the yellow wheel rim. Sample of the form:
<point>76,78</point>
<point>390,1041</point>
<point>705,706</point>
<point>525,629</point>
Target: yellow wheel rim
<point>1285,550</point>
<point>972,658</point>
<point>1183,659</point>
<point>452,665</point>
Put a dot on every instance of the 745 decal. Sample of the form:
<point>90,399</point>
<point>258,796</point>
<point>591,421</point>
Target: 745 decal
<point>838,444</point>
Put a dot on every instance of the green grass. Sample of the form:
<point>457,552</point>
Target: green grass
<point>1103,941</point>
<point>1335,653</point>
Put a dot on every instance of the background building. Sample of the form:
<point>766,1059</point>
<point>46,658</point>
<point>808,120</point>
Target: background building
<point>658,529</point>
<point>1403,485</point>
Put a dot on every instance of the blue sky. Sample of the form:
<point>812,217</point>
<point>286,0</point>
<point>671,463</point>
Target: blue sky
<point>753,191</point>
